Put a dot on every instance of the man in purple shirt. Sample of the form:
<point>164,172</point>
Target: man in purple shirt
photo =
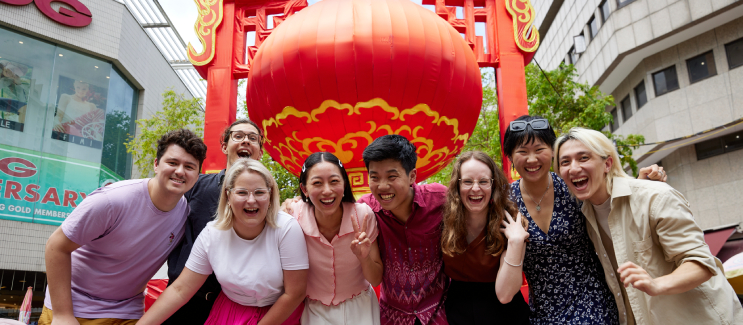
<point>409,218</point>
<point>99,261</point>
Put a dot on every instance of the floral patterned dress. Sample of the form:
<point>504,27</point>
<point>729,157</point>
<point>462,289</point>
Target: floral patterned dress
<point>566,281</point>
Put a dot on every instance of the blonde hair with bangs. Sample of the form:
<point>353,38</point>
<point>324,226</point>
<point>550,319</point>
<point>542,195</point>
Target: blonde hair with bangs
<point>224,217</point>
<point>599,144</point>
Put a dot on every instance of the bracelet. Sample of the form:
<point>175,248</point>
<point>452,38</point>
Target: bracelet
<point>505,260</point>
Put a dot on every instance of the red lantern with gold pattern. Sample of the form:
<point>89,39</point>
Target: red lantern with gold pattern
<point>338,74</point>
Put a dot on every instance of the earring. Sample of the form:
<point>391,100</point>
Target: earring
<point>307,199</point>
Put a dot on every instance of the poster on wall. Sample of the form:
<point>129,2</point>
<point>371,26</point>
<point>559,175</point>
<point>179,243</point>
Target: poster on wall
<point>45,188</point>
<point>80,113</point>
<point>15,84</point>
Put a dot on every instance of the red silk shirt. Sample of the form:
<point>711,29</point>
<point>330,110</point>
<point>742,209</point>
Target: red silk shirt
<point>413,283</point>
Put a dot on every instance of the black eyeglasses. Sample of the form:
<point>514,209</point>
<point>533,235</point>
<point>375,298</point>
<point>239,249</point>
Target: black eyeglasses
<point>239,136</point>
<point>536,124</point>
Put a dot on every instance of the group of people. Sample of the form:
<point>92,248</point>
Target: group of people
<point>596,246</point>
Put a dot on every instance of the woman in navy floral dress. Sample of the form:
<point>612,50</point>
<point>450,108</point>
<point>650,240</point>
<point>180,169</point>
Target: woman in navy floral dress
<point>567,284</point>
<point>566,280</point>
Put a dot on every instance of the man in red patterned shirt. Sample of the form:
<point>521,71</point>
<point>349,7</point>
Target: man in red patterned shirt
<point>409,219</point>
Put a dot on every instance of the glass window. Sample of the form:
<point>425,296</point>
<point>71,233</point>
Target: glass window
<point>701,67</point>
<point>665,80</point>
<point>13,290</point>
<point>622,3</point>
<point>605,10</point>
<point>120,110</point>
<point>719,146</point>
<point>640,94</point>
<point>626,108</point>
<point>593,26</point>
<point>734,53</point>
<point>572,56</point>
<point>615,120</point>
<point>64,117</point>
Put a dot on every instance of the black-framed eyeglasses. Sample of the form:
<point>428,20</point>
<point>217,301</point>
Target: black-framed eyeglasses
<point>239,136</point>
<point>536,124</point>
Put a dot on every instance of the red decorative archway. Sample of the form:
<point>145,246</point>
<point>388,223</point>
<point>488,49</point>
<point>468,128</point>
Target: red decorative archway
<point>346,71</point>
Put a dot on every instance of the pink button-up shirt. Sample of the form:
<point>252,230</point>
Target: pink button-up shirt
<point>413,283</point>
<point>335,273</point>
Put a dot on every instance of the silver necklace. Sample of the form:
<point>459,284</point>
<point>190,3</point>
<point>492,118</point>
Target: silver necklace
<point>539,208</point>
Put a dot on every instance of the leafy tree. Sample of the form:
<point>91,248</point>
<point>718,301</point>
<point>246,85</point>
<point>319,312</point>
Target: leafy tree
<point>178,112</point>
<point>568,104</point>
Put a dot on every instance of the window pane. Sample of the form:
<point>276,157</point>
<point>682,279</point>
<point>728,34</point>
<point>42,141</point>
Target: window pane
<point>615,123</point>
<point>605,11</point>
<point>709,148</point>
<point>120,112</point>
<point>701,67</point>
<point>626,108</point>
<point>734,52</point>
<point>733,142</point>
<point>641,95</point>
<point>665,80</point>
<point>622,3</point>
<point>593,26</point>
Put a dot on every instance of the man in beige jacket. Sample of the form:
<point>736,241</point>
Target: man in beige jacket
<point>653,253</point>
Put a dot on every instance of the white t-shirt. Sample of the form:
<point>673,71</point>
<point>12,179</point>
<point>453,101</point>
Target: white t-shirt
<point>250,271</point>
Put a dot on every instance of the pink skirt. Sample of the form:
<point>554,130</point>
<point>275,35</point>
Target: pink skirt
<point>228,312</point>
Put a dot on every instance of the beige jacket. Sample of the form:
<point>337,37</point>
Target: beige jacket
<point>651,225</point>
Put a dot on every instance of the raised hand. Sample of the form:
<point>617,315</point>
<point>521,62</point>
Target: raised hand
<point>653,173</point>
<point>514,229</point>
<point>287,205</point>
<point>361,245</point>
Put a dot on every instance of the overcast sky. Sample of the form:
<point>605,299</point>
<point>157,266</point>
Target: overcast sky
<point>183,14</point>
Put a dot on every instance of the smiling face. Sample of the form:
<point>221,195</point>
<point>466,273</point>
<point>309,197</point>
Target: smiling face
<point>475,198</point>
<point>390,184</point>
<point>532,160</point>
<point>249,200</point>
<point>324,187</point>
<point>81,89</point>
<point>584,171</point>
<point>176,171</point>
<point>244,148</point>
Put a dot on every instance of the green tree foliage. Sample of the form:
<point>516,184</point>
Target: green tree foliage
<point>118,125</point>
<point>568,104</point>
<point>287,182</point>
<point>177,112</point>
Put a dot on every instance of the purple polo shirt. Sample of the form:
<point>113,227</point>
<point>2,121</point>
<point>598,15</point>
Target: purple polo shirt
<point>413,283</point>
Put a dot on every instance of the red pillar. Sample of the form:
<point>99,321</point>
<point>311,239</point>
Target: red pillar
<point>221,92</point>
<point>510,78</point>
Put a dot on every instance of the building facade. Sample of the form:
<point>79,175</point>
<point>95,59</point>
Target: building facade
<point>69,98</point>
<point>673,67</point>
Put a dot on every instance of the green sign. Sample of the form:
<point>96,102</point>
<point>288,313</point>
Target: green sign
<point>44,188</point>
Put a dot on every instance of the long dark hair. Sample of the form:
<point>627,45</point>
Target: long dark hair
<point>317,158</point>
<point>454,234</point>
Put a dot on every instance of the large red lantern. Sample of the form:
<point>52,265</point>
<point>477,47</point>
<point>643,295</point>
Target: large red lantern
<point>338,74</point>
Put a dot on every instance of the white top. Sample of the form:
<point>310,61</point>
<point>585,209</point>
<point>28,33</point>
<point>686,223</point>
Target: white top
<point>250,271</point>
<point>75,109</point>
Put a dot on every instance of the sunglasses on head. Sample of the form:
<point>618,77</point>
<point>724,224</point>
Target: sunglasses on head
<point>536,124</point>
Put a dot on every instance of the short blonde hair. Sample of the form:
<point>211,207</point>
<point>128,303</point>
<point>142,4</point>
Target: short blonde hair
<point>224,217</point>
<point>599,144</point>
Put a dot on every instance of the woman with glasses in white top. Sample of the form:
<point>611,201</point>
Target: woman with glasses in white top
<point>258,254</point>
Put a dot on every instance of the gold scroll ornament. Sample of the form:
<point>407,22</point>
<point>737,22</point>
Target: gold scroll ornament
<point>524,32</point>
<point>210,16</point>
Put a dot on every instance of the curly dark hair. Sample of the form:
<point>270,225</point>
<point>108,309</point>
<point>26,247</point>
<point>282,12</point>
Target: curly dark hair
<point>454,233</point>
<point>186,139</point>
<point>226,134</point>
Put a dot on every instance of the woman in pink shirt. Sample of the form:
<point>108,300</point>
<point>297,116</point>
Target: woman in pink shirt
<point>341,243</point>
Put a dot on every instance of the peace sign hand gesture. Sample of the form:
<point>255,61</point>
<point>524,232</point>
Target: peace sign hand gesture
<point>361,245</point>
